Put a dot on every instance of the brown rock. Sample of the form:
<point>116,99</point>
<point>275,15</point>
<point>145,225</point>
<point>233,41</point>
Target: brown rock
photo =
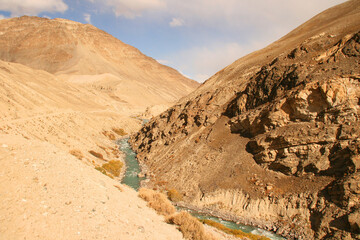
<point>288,113</point>
<point>354,221</point>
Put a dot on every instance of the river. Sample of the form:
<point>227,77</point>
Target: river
<point>131,179</point>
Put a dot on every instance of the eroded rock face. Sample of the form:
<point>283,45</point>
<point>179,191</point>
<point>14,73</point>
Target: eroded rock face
<point>306,126</point>
<point>273,139</point>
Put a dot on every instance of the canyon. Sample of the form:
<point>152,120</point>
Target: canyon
<point>273,139</point>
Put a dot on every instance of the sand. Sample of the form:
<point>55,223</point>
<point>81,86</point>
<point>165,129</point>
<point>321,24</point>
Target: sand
<point>47,193</point>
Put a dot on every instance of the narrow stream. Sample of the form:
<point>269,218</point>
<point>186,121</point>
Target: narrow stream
<point>131,179</point>
<point>132,165</point>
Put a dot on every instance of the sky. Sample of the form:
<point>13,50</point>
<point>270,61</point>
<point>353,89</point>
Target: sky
<point>196,37</point>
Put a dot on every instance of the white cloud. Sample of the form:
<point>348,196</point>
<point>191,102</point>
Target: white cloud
<point>203,62</point>
<point>2,17</point>
<point>230,29</point>
<point>176,22</point>
<point>131,8</point>
<point>219,14</point>
<point>32,7</point>
<point>87,18</point>
<point>276,16</point>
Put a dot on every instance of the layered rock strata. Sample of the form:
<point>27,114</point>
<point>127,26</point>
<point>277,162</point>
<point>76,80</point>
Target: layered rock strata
<point>272,139</point>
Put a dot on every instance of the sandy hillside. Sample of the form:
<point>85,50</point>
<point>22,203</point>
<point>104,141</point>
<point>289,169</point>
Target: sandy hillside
<point>67,92</point>
<point>50,188</point>
<point>48,194</point>
<point>37,105</point>
<point>83,54</point>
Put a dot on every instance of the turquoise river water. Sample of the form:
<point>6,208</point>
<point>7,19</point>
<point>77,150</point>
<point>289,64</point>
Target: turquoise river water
<point>131,179</point>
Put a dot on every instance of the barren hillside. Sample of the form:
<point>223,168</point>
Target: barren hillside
<point>272,139</point>
<point>83,54</point>
<point>67,92</point>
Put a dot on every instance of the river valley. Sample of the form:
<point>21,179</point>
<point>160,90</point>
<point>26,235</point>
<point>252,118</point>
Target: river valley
<point>132,179</point>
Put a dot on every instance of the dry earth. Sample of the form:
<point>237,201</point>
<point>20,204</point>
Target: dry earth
<point>47,193</point>
<point>67,89</point>
<point>86,56</point>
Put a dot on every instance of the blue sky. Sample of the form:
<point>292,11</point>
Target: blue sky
<point>197,37</point>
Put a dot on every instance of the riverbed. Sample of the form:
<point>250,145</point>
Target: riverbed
<point>132,180</point>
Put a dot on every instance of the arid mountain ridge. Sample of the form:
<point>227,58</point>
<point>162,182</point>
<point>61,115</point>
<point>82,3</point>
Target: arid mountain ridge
<point>67,92</point>
<point>57,75</point>
<point>83,54</point>
<point>272,139</point>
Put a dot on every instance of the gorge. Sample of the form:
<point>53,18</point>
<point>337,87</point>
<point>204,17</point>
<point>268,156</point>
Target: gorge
<point>272,139</point>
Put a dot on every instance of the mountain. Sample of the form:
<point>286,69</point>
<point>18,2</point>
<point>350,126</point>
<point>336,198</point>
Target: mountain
<point>68,91</point>
<point>273,139</point>
<point>85,55</point>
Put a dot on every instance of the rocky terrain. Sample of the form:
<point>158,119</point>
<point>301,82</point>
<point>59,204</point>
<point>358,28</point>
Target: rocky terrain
<point>67,92</point>
<point>273,139</point>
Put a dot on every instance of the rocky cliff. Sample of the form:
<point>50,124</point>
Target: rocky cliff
<point>272,139</point>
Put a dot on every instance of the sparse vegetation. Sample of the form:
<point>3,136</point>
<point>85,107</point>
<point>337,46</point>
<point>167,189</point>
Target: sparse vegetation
<point>110,135</point>
<point>113,167</point>
<point>95,154</point>
<point>77,153</point>
<point>157,201</point>
<point>119,131</point>
<point>235,232</point>
<point>190,227</point>
<point>174,195</point>
<point>100,169</point>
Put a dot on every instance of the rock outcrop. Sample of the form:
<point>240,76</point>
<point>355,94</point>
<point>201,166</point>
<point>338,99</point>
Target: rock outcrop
<point>272,139</point>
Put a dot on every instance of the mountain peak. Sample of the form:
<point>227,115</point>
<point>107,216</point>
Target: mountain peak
<point>67,49</point>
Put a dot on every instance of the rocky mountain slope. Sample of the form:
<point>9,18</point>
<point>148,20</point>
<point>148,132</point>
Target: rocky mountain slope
<point>272,139</point>
<point>83,54</point>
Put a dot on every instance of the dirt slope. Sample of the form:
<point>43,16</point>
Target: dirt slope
<point>67,92</point>
<point>81,51</point>
<point>49,194</point>
<point>272,139</point>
